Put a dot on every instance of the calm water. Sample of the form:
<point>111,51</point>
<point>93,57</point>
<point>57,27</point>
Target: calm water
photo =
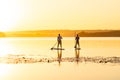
<point>41,46</point>
<point>66,70</point>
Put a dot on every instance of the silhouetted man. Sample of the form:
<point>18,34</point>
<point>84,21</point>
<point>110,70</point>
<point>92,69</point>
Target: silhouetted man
<point>59,40</point>
<point>77,41</point>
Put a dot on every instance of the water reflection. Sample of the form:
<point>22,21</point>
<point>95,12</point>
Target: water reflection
<point>59,58</point>
<point>6,48</point>
<point>77,55</point>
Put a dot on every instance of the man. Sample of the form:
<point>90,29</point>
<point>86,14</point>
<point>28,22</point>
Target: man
<point>59,40</point>
<point>77,41</point>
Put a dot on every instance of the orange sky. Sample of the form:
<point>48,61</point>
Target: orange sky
<point>59,14</point>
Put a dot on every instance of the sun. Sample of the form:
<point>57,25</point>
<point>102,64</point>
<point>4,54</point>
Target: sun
<point>5,28</point>
<point>10,14</point>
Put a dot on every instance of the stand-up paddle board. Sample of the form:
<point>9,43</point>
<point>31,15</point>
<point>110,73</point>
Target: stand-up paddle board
<point>57,49</point>
<point>77,48</point>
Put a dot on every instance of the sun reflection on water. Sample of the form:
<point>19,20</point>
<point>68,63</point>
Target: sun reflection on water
<point>5,47</point>
<point>5,69</point>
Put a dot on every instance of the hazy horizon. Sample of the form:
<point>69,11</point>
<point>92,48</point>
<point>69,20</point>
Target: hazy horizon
<point>64,29</point>
<point>59,14</point>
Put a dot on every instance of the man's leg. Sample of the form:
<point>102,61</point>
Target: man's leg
<point>75,44</point>
<point>61,44</point>
<point>58,44</point>
<point>78,45</point>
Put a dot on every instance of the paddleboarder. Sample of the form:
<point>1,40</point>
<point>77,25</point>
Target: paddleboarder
<point>77,42</point>
<point>59,41</point>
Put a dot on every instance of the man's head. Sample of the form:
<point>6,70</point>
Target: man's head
<point>77,34</point>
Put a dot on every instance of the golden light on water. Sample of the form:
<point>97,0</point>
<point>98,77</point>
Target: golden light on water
<point>5,48</point>
<point>4,69</point>
<point>20,70</point>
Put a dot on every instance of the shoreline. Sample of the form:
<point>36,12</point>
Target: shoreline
<point>38,59</point>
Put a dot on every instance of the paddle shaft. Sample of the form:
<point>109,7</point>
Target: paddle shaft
<point>54,45</point>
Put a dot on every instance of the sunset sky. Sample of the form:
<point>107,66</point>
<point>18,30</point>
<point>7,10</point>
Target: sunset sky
<point>59,14</point>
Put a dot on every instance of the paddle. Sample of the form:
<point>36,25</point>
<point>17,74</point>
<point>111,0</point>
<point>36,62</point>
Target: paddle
<point>53,46</point>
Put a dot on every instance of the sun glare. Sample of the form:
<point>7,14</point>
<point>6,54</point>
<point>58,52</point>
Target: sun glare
<point>5,70</point>
<point>4,48</point>
<point>5,28</point>
<point>9,14</point>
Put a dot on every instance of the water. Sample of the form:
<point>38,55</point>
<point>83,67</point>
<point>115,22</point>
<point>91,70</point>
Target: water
<point>68,69</point>
<point>41,46</point>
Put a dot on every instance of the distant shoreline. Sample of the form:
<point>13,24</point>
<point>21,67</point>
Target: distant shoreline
<point>64,33</point>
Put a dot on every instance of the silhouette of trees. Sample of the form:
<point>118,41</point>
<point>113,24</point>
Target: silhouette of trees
<point>64,33</point>
<point>2,34</point>
<point>100,34</point>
